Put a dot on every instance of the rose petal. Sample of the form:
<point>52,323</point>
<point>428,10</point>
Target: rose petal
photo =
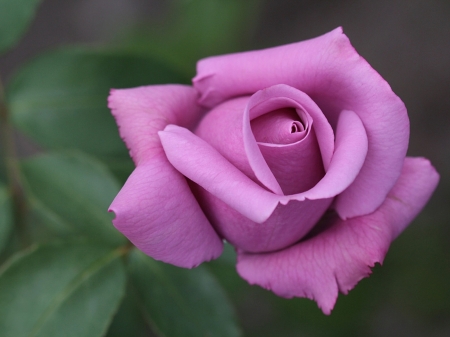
<point>330,71</point>
<point>141,112</point>
<point>285,226</point>
<point>201,163</point>
<point>281,127</point>
<point>222,129</point>
<point>297,167</point>
<point>341,255</point>
<point>274,98</point>
<point>348,158</point>
<point>156,209</point>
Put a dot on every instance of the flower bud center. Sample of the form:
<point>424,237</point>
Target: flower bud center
<point>281,126</point>
<point>297,127</point>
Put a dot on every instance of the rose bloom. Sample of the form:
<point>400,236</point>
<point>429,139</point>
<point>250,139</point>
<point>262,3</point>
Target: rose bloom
<point>295,155</point>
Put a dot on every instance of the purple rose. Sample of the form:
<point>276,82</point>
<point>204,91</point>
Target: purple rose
<point>295,155</point>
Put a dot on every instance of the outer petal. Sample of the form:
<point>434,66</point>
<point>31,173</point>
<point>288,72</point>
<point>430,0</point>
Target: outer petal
<point>331,72</point>
<point>158,213</point>
<point>141,112</point>
<point>339,256</point>
<point>156,209</point>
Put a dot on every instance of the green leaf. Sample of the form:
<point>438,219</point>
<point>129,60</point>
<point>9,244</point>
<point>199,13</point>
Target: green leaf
<point>67,289</point>
<point>44,220</point>
<point>224,268</point>
<point>78,191</point>
<point>180,302</point>
<point>129,320</point>
<point>60,99</point>
<point>6,221</point>
<point>15,15</point>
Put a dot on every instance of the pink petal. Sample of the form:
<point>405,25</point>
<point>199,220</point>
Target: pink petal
<point>271,99</point>
<point>141,112</point>
<point>297,167</point>
<point>285,226</point>
<point>330,71</point>
<point>222,129</point>
<point>348,158</point>
<point>340,254</point>
<point>156,209</point>
<point>281,127</point>
<point>200,162</point>
<point>288,143</point>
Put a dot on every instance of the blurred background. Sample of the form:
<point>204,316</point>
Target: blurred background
<point>406,41</point>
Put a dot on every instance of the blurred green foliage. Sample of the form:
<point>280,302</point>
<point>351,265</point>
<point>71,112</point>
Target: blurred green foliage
<point>193,29</point>
<point>6,221</point>
<point>15,15</point>
<point>169,294</point>
<point>76,190</point>
<point>60,289</point>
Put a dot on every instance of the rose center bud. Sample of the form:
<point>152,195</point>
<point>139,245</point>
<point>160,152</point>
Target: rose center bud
<point>282,126</point>
<point>289,145</point>
<point>297,127</point>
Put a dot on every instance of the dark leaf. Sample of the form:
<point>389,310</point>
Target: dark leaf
<point>180,302</point>
<point>68,289</point>
<point>74,191</point>
<point>15,16</point>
